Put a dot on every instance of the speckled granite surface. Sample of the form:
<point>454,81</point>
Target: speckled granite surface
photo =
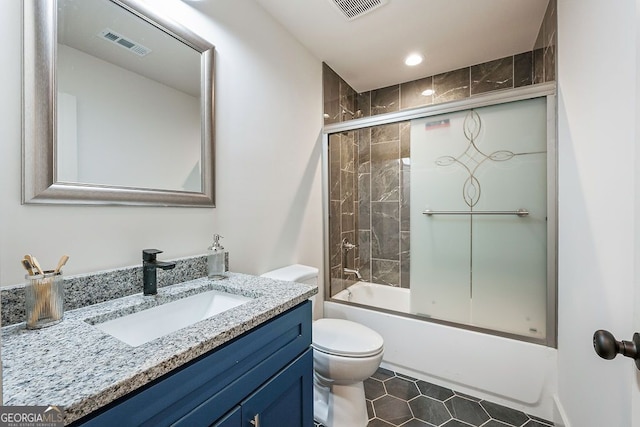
<point>76,366</point>
<point>87,289</point>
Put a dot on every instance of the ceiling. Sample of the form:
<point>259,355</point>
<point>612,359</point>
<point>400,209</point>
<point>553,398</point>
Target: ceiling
<point>368,52</point>
<point>170,62</point>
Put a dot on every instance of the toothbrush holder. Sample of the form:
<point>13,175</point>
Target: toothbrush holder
<point>44,299</point>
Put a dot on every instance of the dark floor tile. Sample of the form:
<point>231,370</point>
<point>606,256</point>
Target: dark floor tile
<point>542,421</point>
<point>467,396</point>
<point>376,422</point>
<point>401,388</point>
<point>429,410</point>
<point>494,423</point>
<point>502,413</point>
<point>387,393</point>
<point>373,389</point>
<point>434,391</point>
<point>417,423</point>
<point>467,410</point>
<point>533,423</point>
<point>455,423</point>
<point>392,410</point>
<point>383,374</point>
<point>406,377</point>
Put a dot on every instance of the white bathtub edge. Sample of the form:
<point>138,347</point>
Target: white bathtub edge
<point>485,366</point>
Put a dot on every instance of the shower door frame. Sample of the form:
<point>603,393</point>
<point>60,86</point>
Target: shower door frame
<point>543,90</point>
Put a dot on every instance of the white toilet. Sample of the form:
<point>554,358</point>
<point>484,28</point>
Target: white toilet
<point>345,354</point>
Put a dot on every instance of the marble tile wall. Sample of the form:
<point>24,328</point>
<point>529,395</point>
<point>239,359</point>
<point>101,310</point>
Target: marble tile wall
<point>370,168</point>
<point>342,103</point>
<point>387,180</point>
<point>343,206</point>
<point>369,204</point>
<point>545,46</point>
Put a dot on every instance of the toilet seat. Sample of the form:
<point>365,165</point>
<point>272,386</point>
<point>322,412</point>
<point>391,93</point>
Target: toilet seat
<point>345,338</point>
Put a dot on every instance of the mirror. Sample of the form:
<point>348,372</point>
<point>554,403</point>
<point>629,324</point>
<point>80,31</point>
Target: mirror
<point>118,106</point>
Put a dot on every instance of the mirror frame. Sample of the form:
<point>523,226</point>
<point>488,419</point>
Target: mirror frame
<point>39,137</point>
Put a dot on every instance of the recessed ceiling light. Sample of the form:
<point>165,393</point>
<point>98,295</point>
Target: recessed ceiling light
<point>413,59</point>
<point>428,92</point>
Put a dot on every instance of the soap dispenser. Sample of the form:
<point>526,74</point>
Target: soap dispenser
<point>215,259</point>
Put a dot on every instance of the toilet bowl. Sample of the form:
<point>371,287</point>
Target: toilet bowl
<point>345,353</point>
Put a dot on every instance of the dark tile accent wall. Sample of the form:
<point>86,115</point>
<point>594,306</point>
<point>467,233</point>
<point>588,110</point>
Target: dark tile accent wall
<point>369,204</point>
<point>550,27</point>
<point>344,209</point>
<point>523,69</point>
<point>451,86</point>
<point>538,65</point>
<point>493,75</point>
<point>369,169</point>
<point>382,203</point>
<point>331,95</point>
<point>385,100</point>
<point>412,93</point>
<point>544,69</point>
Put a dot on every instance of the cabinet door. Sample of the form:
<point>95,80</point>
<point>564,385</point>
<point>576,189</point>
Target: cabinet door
<point>285,400</point>
<point>231,419</point>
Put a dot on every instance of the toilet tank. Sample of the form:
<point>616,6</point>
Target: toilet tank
<point>295,273</point>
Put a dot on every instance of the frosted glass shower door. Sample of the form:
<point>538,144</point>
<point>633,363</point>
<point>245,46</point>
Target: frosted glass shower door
<point>474,261</point>
<point>440,246</point>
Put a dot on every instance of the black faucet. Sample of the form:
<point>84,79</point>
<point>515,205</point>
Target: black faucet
<point>149,266</point>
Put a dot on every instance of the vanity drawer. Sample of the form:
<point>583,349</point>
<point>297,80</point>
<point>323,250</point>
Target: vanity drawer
<point>230,373</point>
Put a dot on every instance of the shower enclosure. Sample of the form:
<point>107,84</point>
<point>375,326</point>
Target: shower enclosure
<point>453,205</point>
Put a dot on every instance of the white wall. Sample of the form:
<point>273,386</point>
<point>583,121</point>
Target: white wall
<point>131,130</point>
<point>597,122</point>
<point>268,191</point>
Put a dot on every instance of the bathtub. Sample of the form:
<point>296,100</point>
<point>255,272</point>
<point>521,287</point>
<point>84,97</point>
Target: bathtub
<point>514,373</point>
<point>380,296</point>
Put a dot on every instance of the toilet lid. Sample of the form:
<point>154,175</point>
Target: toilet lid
<point>345,338</point>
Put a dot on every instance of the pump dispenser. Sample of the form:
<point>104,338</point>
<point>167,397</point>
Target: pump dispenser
<point>215,259</point>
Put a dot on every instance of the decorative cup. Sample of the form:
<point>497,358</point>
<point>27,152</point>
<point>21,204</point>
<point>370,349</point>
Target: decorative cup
<point>44,299</point>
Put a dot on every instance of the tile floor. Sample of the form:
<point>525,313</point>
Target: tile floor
<point>394,399</point>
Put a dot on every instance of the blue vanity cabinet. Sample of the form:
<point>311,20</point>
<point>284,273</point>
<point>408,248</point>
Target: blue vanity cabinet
<point>264,375</point>
<point>285,400</point>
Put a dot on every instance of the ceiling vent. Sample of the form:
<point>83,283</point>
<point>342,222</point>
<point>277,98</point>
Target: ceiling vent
<point>353,9</point>
<point>120,40</point>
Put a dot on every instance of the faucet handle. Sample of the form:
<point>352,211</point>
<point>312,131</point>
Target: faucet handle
<point>347,246</point>
<point>150,254</point>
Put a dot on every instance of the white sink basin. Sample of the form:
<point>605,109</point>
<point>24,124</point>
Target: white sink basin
<point>146,325</point>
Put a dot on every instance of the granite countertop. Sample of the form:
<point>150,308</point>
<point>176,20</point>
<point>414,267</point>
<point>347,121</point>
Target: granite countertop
<point>80,368</point>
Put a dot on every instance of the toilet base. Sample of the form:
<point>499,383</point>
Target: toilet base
<point>340,405</point>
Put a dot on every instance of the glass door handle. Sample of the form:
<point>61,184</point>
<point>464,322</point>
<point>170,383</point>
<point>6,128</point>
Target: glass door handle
<point>608,347</point>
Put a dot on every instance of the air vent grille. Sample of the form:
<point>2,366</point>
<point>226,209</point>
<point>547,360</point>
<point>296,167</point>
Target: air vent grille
<point>353,9</point>
<point>124,42</point>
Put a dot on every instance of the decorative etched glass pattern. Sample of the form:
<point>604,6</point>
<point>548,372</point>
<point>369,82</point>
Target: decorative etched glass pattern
<point>470,262</point>
<point>473,157</point>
